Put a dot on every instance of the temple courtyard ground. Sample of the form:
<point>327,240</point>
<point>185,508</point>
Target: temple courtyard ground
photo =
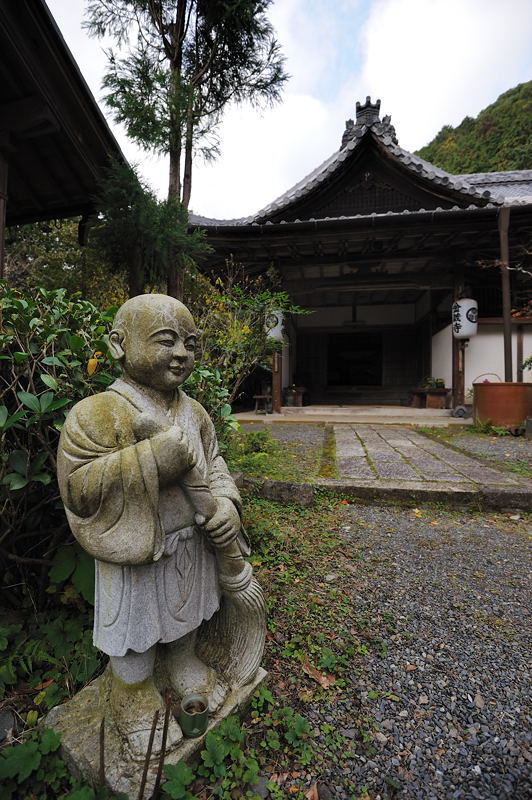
<point>404,633</point>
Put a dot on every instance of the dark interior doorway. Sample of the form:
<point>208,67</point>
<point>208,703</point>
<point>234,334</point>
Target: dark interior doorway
<point>354,359</point>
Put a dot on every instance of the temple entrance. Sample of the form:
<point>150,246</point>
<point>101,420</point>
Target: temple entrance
<point>354,359</point>
<point>369,367</point>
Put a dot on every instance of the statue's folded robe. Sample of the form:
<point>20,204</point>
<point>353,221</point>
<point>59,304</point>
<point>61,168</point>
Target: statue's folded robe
<point>156,576</point>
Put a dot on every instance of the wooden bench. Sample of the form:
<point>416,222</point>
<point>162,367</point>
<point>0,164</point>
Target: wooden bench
<point>262,400</point>
<point>429,398</point>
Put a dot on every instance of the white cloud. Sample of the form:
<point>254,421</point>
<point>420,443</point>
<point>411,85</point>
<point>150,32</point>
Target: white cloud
<point>431,62</point>
<point>435,61</point>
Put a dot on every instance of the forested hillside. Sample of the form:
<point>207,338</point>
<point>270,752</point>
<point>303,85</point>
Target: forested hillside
<point>499,139</point>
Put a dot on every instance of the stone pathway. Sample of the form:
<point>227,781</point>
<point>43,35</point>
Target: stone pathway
<point>372,453</point>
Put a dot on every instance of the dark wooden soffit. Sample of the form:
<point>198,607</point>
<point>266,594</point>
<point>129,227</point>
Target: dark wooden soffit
<point>53,136</point>
<point>455,234</point>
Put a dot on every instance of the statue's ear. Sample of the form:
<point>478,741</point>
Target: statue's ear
<point>115,345</point>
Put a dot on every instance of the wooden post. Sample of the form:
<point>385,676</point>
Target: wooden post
<point>277,371</point>
<point>504,224</point>
<point>458,346</point>
<point>3,207</point>
<point>519,353</point>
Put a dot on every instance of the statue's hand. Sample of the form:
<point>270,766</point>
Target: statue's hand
<point>224,526</point>
<point>170,446</point>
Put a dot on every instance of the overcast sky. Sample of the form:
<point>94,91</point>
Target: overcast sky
<point>431,62</point>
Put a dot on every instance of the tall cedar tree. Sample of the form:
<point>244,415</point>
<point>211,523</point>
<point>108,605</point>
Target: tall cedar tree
<point>184,61</point>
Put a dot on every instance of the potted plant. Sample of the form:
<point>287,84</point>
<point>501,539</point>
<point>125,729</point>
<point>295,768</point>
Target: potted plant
<point>290,395</point>
<point>435,392</point>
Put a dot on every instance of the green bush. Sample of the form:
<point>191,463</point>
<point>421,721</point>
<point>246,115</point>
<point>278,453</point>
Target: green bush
<point>53,353</point>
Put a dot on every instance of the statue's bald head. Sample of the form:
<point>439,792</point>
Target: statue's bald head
<point>146,312</point>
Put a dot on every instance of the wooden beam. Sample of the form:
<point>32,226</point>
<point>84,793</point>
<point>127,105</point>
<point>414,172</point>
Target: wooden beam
<point>3,206</point>
<point>28,117</point>
<point>277,371</point>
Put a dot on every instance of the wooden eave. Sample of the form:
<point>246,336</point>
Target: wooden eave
<point>55,139</point>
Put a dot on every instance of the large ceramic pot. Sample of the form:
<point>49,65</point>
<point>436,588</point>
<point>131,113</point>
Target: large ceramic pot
<point>504,404</point>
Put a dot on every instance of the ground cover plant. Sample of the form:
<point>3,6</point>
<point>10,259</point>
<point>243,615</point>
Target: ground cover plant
<point>258,454</point>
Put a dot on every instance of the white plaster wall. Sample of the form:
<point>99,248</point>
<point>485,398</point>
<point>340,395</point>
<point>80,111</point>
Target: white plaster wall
<point>442,355</point>
<point>483,354</point>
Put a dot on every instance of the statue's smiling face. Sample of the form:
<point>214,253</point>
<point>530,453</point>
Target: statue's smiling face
<point>159,350</point>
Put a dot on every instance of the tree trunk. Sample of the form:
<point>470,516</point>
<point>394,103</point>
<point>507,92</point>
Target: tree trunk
<point>176,276</point>
<point>187,173</point>
<point>135,274</point>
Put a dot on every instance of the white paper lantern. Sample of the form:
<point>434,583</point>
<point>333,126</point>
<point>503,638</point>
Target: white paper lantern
<point>274,325</point>
<point>465,316</point>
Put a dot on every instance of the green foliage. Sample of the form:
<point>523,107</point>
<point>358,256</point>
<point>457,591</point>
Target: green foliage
<point>498,139</point>
<point>226,765</point>
<point>207,387</point>
<point>231,310</point>
<point>54,352</point>
<point>33,770</point>
<point>139,234</point>
<point>229,765</point>
<point>48,254</point>
<point>56,656</point>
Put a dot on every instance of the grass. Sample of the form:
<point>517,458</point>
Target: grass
<point>258,455</point>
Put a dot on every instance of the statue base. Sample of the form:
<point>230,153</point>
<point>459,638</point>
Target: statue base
<point>79,719</point>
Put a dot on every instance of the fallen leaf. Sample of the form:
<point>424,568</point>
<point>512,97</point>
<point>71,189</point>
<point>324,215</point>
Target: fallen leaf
<point>92,365</point>
<point>281,685</point>
<point>312,792</point>
<point>293,789</point>
<point>434,522</point>
<point>43,685</point>
<point>324,680</point>
<point>410,667</point>
<point>343,503</point>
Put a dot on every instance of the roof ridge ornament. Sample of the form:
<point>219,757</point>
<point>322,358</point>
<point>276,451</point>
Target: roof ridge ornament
<point>367,116</point>
<point>368,113</point>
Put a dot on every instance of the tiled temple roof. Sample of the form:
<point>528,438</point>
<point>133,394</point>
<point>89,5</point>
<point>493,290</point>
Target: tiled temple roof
<point>484,189</point>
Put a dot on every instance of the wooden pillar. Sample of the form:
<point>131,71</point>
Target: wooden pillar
<point>520,353</point>
<point>3,207</point>
<point>458,347</point>
<point>277,372</point>
<point>504,224</point>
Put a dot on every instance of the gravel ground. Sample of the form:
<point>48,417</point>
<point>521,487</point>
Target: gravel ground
<point>447,594</point>
<point>290,432</point>
<point>498,448</point>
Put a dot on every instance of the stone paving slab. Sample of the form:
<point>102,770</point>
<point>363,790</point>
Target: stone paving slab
<point>406,456</point>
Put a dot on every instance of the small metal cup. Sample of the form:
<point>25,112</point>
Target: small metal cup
<point>193,715</point>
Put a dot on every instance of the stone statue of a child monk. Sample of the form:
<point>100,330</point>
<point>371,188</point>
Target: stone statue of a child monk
<point>134,464</point>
